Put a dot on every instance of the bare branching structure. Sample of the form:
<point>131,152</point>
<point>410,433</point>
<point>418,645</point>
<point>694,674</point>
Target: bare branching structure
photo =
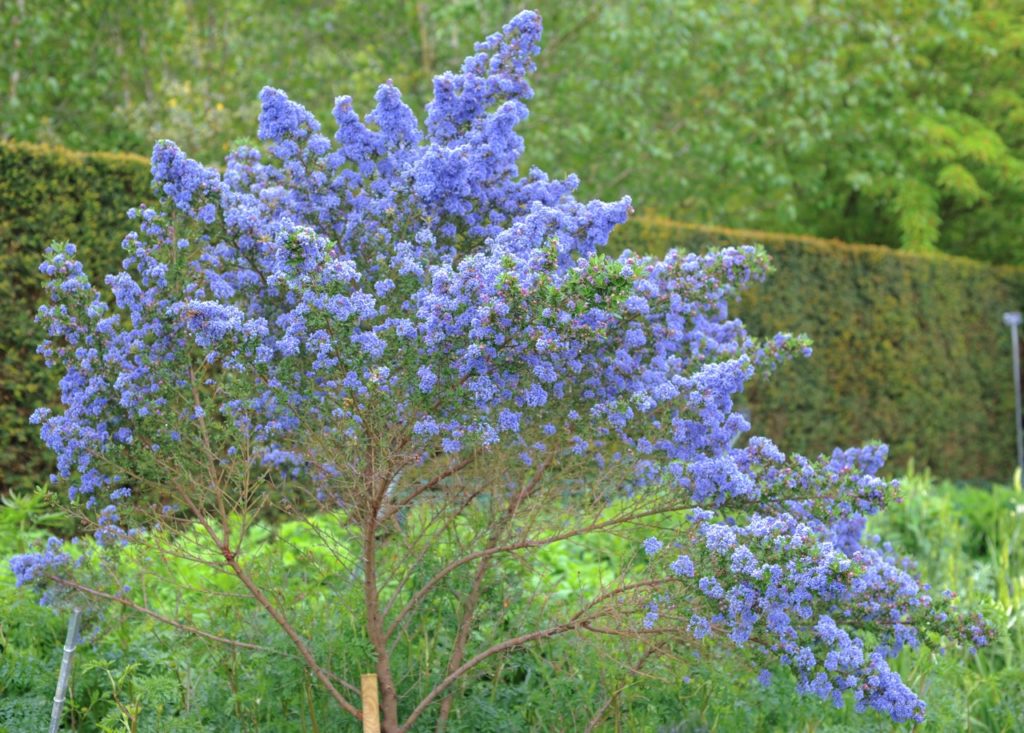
<point>452,538</point>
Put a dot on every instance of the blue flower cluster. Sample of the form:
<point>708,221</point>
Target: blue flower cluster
<point>396,285</point>
<point>32,567</point>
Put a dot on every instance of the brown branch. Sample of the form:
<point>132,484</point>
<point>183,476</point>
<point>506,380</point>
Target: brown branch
<point>580,620</point>
<point>472,600</point>
<point>297,640</point>
<point>452,566</point>
<point>374,620</point>
<point>185,628</point>
<point>452,510</point>
<point>160,617</point>
<point>607,595</point>
<point>635,669</point>
<point>469,607</point>
<point>232,562</point>
<point>406,500</point>
<point>481,657</point>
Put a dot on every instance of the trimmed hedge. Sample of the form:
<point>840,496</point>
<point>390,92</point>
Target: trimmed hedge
<point>909,349</point>
<point>49,194</point>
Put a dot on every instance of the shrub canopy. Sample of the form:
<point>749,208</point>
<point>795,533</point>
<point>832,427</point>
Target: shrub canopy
<point>347,322</point>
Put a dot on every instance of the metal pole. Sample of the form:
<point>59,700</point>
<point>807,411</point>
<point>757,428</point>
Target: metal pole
<point>65,670</point>
<point>1013,320</point>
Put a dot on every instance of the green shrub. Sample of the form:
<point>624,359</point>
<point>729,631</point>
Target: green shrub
<point>910,349</point>
<point>971,540</point>
<point>49,194</point>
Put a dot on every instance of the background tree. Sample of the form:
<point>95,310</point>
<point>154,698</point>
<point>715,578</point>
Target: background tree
<point>870,121</point>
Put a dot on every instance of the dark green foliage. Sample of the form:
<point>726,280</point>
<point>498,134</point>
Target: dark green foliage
<point>49,194</point>
<point>909,348</point>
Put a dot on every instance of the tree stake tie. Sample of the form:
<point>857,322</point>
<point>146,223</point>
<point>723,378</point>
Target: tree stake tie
<point>65,669</point>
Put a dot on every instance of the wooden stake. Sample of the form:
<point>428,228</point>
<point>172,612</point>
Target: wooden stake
<point>371,706</point>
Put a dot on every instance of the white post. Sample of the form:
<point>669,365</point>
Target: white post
<point>1013,319</point>
<point>65,670</point>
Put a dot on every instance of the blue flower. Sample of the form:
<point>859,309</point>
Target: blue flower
<point>682,565</point>
<point>652,545</point>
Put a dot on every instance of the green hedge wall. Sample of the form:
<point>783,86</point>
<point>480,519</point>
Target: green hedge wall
<point>49,194</point>
<point>909,349</point>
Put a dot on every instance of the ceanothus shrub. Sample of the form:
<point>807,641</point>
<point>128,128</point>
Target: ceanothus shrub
<point>325,321</point>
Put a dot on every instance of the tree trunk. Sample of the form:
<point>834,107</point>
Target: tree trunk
<point>375,630</point>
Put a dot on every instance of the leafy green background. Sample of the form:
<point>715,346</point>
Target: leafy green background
<point>900,123</point>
